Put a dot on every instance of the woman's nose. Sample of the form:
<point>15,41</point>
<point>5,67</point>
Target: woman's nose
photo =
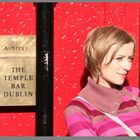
<point>126,65</point>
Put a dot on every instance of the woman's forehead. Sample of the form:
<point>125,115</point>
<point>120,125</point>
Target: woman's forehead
<point>126,49</point>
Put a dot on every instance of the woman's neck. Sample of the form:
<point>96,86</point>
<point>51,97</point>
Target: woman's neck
<point>106,83</point>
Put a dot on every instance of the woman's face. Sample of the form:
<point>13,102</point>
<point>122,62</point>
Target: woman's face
<point>115,72</point>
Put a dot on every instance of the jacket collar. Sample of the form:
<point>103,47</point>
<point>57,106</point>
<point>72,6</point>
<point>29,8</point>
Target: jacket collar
<point>103,98</point>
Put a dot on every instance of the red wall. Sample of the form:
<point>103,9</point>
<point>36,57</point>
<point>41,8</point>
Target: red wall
<point>72,22</point>
<point>17,19</point>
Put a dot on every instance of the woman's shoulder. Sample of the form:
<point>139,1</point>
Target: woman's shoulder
<point>76,105</point>
<point>77,108</point>
<point>80,102</point>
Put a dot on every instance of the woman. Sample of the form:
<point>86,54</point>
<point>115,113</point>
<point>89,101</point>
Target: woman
<point>104,107</point>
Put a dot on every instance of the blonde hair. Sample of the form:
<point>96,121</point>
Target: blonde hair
<point>98,43</point>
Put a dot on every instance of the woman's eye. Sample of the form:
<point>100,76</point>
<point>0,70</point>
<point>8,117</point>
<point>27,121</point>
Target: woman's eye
<point>119,58</point>
<point>131,59</point>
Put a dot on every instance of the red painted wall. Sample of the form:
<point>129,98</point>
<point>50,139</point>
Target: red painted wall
<point>72,22</point>
<point>17,18</point>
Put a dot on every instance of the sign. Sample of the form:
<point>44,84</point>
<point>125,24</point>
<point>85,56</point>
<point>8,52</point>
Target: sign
<point>17,70</point>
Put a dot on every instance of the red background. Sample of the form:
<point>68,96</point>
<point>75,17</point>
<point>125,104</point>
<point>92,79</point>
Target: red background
<point>17,19</point>
<point>72,22</point>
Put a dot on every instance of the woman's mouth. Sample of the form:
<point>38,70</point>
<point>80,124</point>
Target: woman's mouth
<point>123,75</point>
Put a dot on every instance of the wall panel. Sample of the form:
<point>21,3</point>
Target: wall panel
<point>72,21</point>
<point>17,18</point>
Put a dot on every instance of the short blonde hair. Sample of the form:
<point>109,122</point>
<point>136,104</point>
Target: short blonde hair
<point>98,43</point>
